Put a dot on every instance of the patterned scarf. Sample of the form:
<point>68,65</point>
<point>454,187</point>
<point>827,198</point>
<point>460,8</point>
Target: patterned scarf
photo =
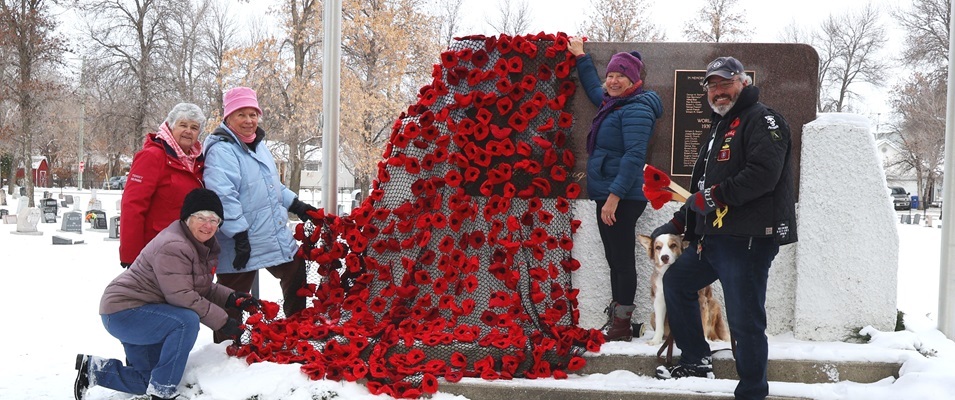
<point>609,104</point>
<point>189,160</point>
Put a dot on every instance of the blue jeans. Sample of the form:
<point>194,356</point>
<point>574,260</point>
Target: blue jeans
<point>157,339</point>
<point>742,266</point>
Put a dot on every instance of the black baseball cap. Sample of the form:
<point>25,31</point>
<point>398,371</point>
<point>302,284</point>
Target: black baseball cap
<point>726,67</point>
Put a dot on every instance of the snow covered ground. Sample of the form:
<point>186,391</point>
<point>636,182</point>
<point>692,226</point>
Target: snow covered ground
<point>51,294</point>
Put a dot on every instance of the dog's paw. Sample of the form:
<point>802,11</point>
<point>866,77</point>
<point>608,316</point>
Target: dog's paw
<point>655,341</point>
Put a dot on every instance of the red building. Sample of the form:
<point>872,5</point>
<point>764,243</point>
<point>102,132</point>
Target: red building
<point>41,172</point>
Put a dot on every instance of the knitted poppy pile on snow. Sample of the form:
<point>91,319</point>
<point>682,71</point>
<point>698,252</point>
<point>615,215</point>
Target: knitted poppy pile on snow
<point>458,263</point>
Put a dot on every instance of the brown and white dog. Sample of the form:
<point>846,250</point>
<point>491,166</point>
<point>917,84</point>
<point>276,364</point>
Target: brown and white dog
<point>663,252</point>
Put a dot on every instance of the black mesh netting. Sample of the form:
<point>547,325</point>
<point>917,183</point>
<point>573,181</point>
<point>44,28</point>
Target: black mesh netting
<point>458,263</point>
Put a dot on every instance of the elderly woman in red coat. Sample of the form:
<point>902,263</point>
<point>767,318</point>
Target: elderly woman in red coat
<point>169,166</point>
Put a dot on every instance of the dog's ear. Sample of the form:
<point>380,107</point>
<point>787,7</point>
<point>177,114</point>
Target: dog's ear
<point>645,241</point>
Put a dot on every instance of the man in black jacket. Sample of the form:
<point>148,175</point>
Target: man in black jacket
<point>742,209</point>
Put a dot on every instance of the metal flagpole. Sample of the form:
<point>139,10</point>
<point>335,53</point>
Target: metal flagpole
<point>946,282</point>
<point>331,102</point>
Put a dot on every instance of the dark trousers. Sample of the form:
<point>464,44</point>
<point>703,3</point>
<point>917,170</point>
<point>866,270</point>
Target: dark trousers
<point>742,266</point>
<point>620,241</point>
<point>291,276</point>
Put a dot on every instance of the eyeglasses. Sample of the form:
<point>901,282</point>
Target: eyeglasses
<point>207,220</point>
<point>723,85</point>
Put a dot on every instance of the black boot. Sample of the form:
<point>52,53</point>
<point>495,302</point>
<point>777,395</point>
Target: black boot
<point>82,381</point>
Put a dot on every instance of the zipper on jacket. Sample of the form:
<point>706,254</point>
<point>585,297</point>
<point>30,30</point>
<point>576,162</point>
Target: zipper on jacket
<point>750,247</point>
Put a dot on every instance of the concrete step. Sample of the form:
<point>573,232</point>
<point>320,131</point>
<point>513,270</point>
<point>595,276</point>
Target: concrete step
<point>799,371</point>
<point>631,377</point>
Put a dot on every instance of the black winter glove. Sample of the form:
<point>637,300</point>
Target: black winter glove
<point>301,209</point>
<point>125,265</point>
<point>243,249</point>
<point>231,329</point>
<point>242,301</point>
<point>671,227</point>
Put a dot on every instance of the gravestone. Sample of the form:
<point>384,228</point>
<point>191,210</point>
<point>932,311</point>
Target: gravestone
<point>915,219</point>
<point>3,198</point>
<point>22,204</point>
<point>63,240</point>
<point>9,219</point>
<point>94,205</point>
<point>907,219</point>
<point>4,212</point>
<point>49,208</point>
<point>114,227</point>
<point>68,199</point>
<point>98,220</point>
<point>27,221</point>
<point>23,191</point>
<point>47,194</point>
<point>72,222</point>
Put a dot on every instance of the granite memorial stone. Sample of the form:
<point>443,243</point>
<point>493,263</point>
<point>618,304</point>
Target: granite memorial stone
<point>114,227</point>
<point>49,208</point>
<point>27,221</point>
<point>97,219</point>
<point>72,222</point>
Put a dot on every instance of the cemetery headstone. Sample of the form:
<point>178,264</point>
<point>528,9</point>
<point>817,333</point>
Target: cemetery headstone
<point>49,208</point>
<point>47,194</point>
<point>22,204</point>
<point>114,227</point>
<point>97,219</point>
<point>915,219</point>
<point>3,198</point>
<point>23,191</point>
<point>9,219</point>
<point>907,219</point>
<point>27,221</point>
<point>63,240</point>
<point>94,205</point>
<point>68,198</point>
<point>4,212</point>
<point>72,222</point>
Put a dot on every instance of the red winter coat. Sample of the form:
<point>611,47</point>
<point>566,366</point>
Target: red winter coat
<point>155,188</point>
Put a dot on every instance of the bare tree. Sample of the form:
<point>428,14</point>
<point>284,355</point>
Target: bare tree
<point>128,38</point>
<point>512,19</point>
<point>926,26</point>
<point>920,133</point>
<point>388,50</point>
<point>27,30</point>
<point>449,15</point>
<point>218,38</point>
<point>717,21</point>
<point>855,39</point>
<point>621,21</point>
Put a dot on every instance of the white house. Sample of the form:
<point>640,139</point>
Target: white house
<point>888,152</point>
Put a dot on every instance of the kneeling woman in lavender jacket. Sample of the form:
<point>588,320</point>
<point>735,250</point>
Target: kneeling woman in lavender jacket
<point>155,307</point>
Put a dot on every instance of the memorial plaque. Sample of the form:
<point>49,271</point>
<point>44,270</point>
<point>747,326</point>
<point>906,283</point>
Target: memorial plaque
<point>691,119</point>
<point>72,222</point>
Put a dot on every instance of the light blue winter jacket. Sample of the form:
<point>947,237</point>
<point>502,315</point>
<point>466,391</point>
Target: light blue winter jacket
<point>253,200</point>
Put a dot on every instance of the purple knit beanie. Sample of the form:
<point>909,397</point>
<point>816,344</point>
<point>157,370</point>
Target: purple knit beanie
<point>626,64</point>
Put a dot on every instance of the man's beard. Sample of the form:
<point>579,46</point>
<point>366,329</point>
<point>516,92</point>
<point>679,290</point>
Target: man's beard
<point>722,110</point>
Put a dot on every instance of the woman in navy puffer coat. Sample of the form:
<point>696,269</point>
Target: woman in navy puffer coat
<point>617,149</point>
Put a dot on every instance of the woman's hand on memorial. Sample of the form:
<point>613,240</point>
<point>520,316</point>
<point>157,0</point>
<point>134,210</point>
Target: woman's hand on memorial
<point>575,45</point>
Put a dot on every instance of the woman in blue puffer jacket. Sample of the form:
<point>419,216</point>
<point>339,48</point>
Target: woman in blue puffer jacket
<point>617,149</point>
<point>255,232</point>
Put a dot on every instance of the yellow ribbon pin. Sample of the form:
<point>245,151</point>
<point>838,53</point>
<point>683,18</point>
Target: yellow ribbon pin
<point>720,213</point>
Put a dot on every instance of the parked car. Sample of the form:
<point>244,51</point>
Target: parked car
<point>116,183</point>
<point>900,198</point>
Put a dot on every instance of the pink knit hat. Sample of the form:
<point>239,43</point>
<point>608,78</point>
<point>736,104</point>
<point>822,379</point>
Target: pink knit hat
<point>239,97</point>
